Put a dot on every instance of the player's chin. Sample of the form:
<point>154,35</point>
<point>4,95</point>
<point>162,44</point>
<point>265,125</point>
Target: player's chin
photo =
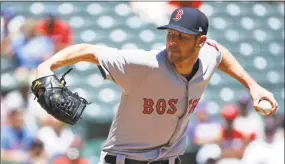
<point>172,56</point>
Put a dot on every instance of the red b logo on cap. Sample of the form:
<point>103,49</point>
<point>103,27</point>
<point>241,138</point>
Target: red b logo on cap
<point>178,15</point>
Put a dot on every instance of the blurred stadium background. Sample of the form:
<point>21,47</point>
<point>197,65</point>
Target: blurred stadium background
<point>252,31</point>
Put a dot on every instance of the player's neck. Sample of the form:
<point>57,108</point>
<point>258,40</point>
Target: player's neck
<point>184,71</point>
<point>185,68</point>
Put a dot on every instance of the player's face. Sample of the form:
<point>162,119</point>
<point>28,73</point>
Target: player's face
<point>180,46</point>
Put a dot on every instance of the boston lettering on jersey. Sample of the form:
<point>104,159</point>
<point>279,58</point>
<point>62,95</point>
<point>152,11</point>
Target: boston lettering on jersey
<point>163,106</point>
<point>192,105</point>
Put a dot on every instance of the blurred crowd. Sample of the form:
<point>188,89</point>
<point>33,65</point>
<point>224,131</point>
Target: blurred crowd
<point>238,136</point>
<point>29,135</point>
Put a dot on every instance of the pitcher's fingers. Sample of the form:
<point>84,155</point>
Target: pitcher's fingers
<point>255,104</point>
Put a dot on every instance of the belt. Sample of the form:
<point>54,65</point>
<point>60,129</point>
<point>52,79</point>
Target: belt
<point>112,160</point>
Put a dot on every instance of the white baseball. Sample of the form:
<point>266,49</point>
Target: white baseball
<point>265,107</point>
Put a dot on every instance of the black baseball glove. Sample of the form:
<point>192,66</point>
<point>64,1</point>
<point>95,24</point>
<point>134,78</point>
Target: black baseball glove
<point>57,100</point>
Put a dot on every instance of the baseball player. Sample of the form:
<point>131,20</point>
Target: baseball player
<point>160,88</point>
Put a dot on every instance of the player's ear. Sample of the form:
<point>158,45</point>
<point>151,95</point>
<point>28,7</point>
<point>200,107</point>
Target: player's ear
<point>202,39</point>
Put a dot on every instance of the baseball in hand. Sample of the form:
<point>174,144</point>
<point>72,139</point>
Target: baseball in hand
<point>265,107</point>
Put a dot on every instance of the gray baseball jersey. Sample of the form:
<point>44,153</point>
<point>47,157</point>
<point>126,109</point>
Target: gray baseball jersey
<point>156,101</point>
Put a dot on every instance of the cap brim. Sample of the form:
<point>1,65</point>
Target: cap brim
<point>177,28</point>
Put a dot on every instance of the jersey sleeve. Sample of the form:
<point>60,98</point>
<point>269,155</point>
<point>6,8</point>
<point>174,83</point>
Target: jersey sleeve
<point>126,68</point>
<point>215,49</point>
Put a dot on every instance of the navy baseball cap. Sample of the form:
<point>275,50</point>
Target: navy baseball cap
<point>188,20</point>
